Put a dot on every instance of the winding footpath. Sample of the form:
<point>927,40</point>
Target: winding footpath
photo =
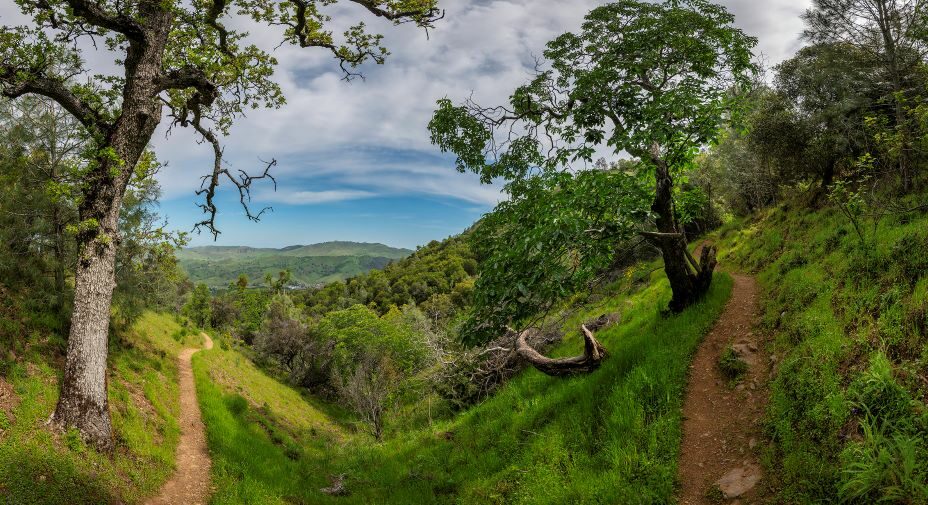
<point>722,423</point>
<point>190,484</point>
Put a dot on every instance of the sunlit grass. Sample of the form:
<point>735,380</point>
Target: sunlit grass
<point>43,467</point>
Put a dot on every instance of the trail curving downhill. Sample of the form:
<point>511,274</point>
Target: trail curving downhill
<point>190,484</point>
<point>721,422</point>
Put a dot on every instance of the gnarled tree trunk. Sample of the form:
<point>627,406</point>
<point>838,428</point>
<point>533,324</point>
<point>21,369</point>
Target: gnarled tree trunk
<point>83,401</point>
<point>689,280</point>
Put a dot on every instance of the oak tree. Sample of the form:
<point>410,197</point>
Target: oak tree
<point>180,61</point>
<point>655,80</point>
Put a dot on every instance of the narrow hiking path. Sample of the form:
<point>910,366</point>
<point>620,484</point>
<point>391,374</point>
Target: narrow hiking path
<point>190,484</point>
<point>722,423</point>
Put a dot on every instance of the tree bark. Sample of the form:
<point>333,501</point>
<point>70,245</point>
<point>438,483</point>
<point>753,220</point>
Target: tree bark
<point>83,402</point>
<point>886,24</point>
<point>689,281</point>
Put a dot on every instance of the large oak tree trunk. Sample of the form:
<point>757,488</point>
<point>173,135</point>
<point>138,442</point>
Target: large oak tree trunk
<point>689,280</point>
<point>83,402</point>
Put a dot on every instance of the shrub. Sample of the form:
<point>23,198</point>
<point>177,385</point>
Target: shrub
<point>731,365</point>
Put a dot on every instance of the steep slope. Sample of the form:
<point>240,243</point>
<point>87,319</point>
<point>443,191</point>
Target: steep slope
<point>848,320</point>
<point>43,467</point>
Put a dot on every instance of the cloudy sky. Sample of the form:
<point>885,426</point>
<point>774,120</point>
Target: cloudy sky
<point>354,159</point>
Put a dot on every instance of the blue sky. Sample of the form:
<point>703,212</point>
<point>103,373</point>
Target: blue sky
<point>399,219</point>
<point>354,160</point>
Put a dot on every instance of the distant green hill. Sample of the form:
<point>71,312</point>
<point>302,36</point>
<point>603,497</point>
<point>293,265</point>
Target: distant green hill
<point>217,266</point>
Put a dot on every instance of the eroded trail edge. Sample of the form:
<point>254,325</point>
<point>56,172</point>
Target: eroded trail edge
<point>722,421</point>
<point>190,483</point>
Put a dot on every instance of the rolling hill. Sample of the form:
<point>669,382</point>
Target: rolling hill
<point>217,266</point>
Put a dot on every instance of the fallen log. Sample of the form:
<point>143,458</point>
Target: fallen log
<point>593,354</point>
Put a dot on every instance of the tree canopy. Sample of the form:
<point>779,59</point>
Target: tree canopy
<point>654,80</point>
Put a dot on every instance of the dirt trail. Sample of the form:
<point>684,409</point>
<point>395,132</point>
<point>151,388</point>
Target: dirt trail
<point>722,424</point>
<point>190,484</point>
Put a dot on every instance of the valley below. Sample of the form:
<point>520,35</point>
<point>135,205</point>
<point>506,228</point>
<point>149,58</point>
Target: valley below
<point>309,266</point>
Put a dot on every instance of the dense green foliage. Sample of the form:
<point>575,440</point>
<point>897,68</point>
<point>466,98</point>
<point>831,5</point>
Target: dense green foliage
<point>363,341</point>
<point>308,265</point>
<point>40,160</point>
<point>438,277</point>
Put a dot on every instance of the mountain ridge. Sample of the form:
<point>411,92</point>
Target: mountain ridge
<point>311,264</point>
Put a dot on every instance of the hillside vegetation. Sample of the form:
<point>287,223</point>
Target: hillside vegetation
<point>610,437</point>
<point>309,265</point>
<point>543,356</point>
<point>42,467</point>
<point>848,316</point>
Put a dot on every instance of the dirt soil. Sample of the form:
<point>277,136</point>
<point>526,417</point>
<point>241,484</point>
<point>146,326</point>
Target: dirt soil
<point>190,484</point>
<point>722,421</point>
<point>8,403</point>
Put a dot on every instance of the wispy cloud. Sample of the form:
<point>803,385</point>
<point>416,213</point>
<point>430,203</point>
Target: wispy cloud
<point>292,197</point>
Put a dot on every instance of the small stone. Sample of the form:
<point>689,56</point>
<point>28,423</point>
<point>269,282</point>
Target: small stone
<point>745,353</point>
<point>738,481</point>
<point>752,443</point>
<point>41,478</point>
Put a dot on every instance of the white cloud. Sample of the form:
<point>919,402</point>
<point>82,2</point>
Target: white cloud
<point>311,197</point>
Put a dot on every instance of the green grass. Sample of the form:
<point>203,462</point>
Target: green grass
<point>847,413</point>
<point>40,466</point>
<point>731,365</point>
<point>609,437</point>
<point>267,441</point>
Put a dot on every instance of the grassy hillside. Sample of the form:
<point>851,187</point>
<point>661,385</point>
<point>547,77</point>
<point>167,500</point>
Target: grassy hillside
<point>41,467</point>
<point>849,324</point>
<point>609,437</point>
<point>312,264</point>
